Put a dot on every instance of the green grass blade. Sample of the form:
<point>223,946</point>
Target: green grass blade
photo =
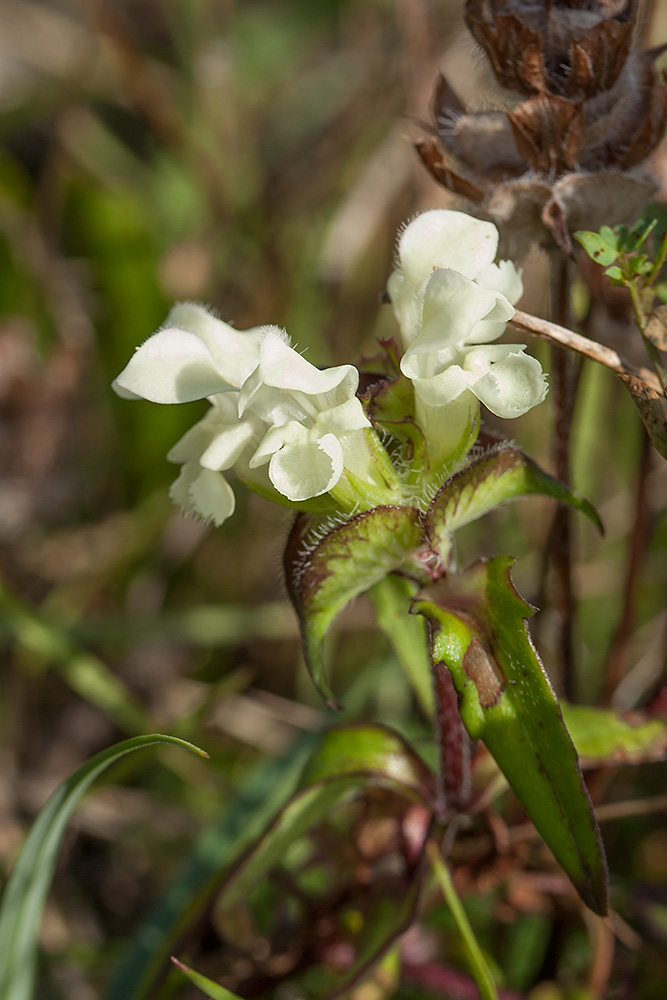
<point>478,967</point>
<point>206,985</point>
<point>28,885</point>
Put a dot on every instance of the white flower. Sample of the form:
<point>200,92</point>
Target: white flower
<point>193,356</point>
<point>451,301</point>
<point>285,426</point>
<point>315,422</point>
<point>451,241</point>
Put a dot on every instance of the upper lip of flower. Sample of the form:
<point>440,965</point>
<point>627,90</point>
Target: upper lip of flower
<point>195,355</point>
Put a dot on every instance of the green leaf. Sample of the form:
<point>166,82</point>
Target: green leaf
<point>632,239</point>
<point>324,574</point>
<point>639,264</point>
<point>206,985</point>
<point>406,632</point>
<point>28,885</point>
<point>478,631</point>
<point>599,249</point>
<point>504,474</point>
<point>613,237</point>
<point>604,737</point>
<point>615,275</point>
<point>374,751</point>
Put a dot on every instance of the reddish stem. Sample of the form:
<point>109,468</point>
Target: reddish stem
<point>453,745</point>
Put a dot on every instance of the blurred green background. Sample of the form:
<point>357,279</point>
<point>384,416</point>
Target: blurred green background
<point>255,156</point>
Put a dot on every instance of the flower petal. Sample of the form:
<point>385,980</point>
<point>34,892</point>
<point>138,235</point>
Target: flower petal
<point>349,416</point>
<point>513,384</point>
<point>441,238</point>
<point>228,445</point>
<point>200,491</point>
<point>307,468</point>
<point>172,366</point>
<point>235,353</point>
<point>285,386</point>
<point>445,386</point>
<point>502,277</point>
<point>453,308</point>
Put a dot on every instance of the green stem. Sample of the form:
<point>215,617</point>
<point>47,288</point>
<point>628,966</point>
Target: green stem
<point>478,967</point>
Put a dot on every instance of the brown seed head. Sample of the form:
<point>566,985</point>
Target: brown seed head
<point>573,148</point>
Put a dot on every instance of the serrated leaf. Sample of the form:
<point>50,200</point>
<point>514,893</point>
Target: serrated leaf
<point>28,885</point>
<point>604,738</point>
<point>478,631</point>
<point>213,990</point>
<point>350,760</point>
<point>325,575</point>
<point>503,475</point>
<point>598,248</point>
<point>407,633</point>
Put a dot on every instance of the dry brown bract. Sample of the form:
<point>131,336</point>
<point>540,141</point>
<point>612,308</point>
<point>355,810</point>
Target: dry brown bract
<point>569,155</point>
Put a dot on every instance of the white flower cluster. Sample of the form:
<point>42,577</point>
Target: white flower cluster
<point>451,300</point>
<point>278,421</point>
<point>293,431</point>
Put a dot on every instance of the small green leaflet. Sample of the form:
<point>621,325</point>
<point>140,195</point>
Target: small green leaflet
<point>28,885</point>
<point>478,631</point>
<point>602,249</point>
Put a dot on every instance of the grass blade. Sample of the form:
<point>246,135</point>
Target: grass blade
<point>28,885</point>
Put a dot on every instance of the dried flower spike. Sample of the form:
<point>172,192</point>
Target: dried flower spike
<point>570,154</point>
